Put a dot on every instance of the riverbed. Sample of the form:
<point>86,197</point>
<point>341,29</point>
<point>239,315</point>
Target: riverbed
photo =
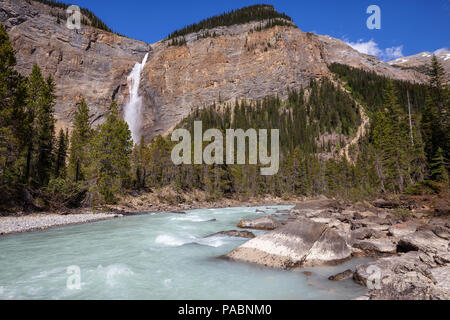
<point>155,256</point>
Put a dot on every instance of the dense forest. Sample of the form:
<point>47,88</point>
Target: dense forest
<point>240,16</point>
<point>89,18</point>
<point>406,149</point>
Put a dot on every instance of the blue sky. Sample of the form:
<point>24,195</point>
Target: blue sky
<point>407,26</point>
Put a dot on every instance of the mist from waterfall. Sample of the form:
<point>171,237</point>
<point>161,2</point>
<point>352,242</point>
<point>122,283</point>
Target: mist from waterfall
<point>132,111</point>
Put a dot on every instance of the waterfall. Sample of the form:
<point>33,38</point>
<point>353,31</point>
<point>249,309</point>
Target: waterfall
<point>133,108</point>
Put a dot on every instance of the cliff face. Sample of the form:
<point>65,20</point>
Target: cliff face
<point>239,63</point>
<point>87,62</point>
<point>242,64</point>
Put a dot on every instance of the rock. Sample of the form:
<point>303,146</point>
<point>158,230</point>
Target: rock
<point>233,233</point>
<point>377,246</point>
<point>263,223</point>
<point>402,229</point>
<point>178,212</point>
<point>259,211</point>
<point>283,211</point>
<point>347,274</point>
<point>364,233</point>
<point>403,277</point>
<point>409,286</point>
<point>381,203</point>
<point>442,277</point>
<point>440,231</point>
<point>212,220</point>
<point>313,208</point>
<point>299,243</point>
<point>424,240</point>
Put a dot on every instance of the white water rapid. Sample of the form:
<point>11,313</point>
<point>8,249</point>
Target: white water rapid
<point>133,108</point>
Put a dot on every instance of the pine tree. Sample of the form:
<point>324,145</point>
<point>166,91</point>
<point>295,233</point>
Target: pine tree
<point>45,122</point>
<point>12,134</point>
<point>79,143</point>
<point>35,87</point>
<point>61,155</point>
<point>438,168</point>
<point>111,148</point>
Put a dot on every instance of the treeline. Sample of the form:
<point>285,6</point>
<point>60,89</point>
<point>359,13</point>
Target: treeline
<point>92,20</point>
<point>257,12</point>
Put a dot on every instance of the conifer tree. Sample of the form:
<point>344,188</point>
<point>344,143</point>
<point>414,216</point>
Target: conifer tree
<point>12,134</point>
<point>79,143</point>
<point>111,149</point>
<point>438,168</point>
<point>61,155</point>
<point>45,123</point>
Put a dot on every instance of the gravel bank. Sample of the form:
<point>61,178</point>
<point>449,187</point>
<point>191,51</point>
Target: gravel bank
<point>10,225</point>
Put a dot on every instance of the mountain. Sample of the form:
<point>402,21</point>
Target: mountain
<point>419,62</point>
<point>89,62</point>
<point>231,60</point>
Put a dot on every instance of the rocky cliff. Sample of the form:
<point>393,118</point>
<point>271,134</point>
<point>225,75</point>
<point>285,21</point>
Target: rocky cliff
<point>88,62</point>
<point>238,63</point>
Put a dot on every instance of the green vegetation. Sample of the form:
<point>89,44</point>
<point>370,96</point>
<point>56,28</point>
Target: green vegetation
<point>257,12</point>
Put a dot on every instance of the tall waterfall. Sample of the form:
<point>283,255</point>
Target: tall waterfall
<point>133,107</point>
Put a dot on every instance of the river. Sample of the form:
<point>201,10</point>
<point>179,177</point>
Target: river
<point>154,256</point>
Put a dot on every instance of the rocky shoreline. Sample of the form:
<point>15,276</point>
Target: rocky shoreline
<point>412,254</point>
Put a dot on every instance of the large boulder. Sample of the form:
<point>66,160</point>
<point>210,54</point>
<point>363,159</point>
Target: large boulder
<point>263,223</point>
<point>299,243</point>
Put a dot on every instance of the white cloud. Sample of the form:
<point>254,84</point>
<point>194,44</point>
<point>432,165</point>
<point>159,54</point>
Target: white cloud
<point>439,51</point>
<point>372,48</point>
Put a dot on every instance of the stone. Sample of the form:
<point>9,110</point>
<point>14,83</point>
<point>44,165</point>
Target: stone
<point>233,233</point>
<point>347,274</point>
<point>299,243</point>
<point>402,229</point>
<point>424,240</point>
<point>442,277</point>
<point>376,246</point>
<point>263,223</point>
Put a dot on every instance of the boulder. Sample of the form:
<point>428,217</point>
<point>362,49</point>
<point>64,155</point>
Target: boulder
<point>402,229</point>
<point>363,233</point>
<point>376,246</point>
<point>233,233</point>
<point>347,274</point>
<point>263,223</point>
<point>424,240</point>
<point>313,207</point>
<point>299,243</point>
